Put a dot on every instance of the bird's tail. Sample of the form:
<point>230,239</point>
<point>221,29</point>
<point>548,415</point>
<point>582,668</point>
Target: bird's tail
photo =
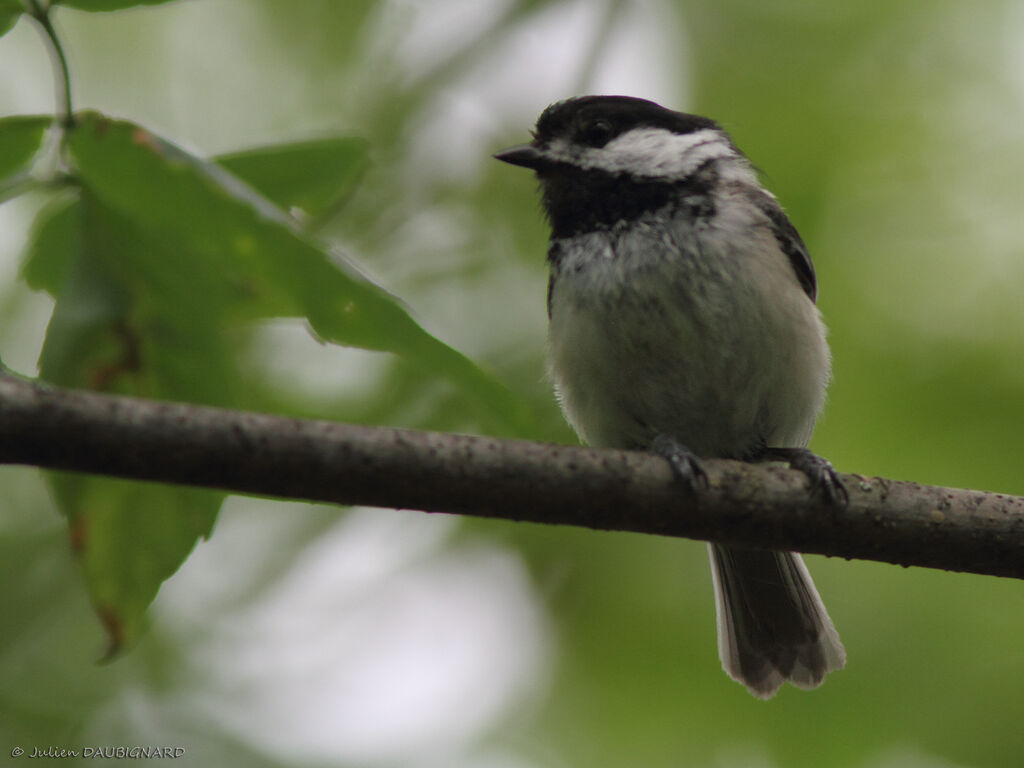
<point>772,626</point>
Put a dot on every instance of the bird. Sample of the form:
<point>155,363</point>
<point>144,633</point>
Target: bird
<point>683,321</point>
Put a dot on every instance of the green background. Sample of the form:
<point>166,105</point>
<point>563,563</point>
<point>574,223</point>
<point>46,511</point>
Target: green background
<point>308,636</point>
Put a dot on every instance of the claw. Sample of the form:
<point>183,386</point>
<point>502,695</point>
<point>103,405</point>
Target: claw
<point>684,462</point>
<point>825,481</point>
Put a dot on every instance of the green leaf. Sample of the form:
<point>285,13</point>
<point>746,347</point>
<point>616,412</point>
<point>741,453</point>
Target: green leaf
<point>54,240</point>
<point>130,537</point>
<point>120,325</point>
<point>315,176</point>
<point>155,268</point>
<point>20,139</point>
<point>88,329</point>
<point>244,252</point>
<point>109,334</point>
<point>107,5</point>
<point>10,10</point>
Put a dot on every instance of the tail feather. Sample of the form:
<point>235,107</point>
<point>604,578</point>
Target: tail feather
<point>772,625</point>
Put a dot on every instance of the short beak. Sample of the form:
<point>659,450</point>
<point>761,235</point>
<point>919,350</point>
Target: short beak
<point>525,155</point>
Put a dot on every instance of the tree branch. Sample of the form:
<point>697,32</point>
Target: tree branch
<point>757,506</point>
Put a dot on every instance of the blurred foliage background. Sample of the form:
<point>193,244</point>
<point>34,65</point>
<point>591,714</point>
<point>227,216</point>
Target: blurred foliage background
<point>300,635</point>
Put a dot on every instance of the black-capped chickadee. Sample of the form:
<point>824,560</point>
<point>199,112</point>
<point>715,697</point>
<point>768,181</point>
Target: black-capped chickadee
<point>683,321</point>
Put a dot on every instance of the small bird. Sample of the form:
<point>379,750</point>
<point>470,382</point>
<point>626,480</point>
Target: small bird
<point>683,321</point>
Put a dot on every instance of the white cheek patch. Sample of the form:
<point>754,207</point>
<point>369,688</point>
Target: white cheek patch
<point>658,153</point>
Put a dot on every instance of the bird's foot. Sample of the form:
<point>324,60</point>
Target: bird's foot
<point>684,462</point>
<point>825,481</point>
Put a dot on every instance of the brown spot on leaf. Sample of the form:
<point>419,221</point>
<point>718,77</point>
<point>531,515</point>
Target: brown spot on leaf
<point>76,533</point>
<point>114,629</point>
<point>146,139</point>
<point>102,377</point>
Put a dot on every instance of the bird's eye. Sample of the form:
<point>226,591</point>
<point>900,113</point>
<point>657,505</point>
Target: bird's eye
<point>596,133</point>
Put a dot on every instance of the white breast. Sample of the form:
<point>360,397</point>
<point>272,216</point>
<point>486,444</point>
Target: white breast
<point>691,333</point>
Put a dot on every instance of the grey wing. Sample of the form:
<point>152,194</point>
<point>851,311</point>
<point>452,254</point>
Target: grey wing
<point>791,244</point>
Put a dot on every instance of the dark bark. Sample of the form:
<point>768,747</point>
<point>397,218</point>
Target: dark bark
<point>749,505</point>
